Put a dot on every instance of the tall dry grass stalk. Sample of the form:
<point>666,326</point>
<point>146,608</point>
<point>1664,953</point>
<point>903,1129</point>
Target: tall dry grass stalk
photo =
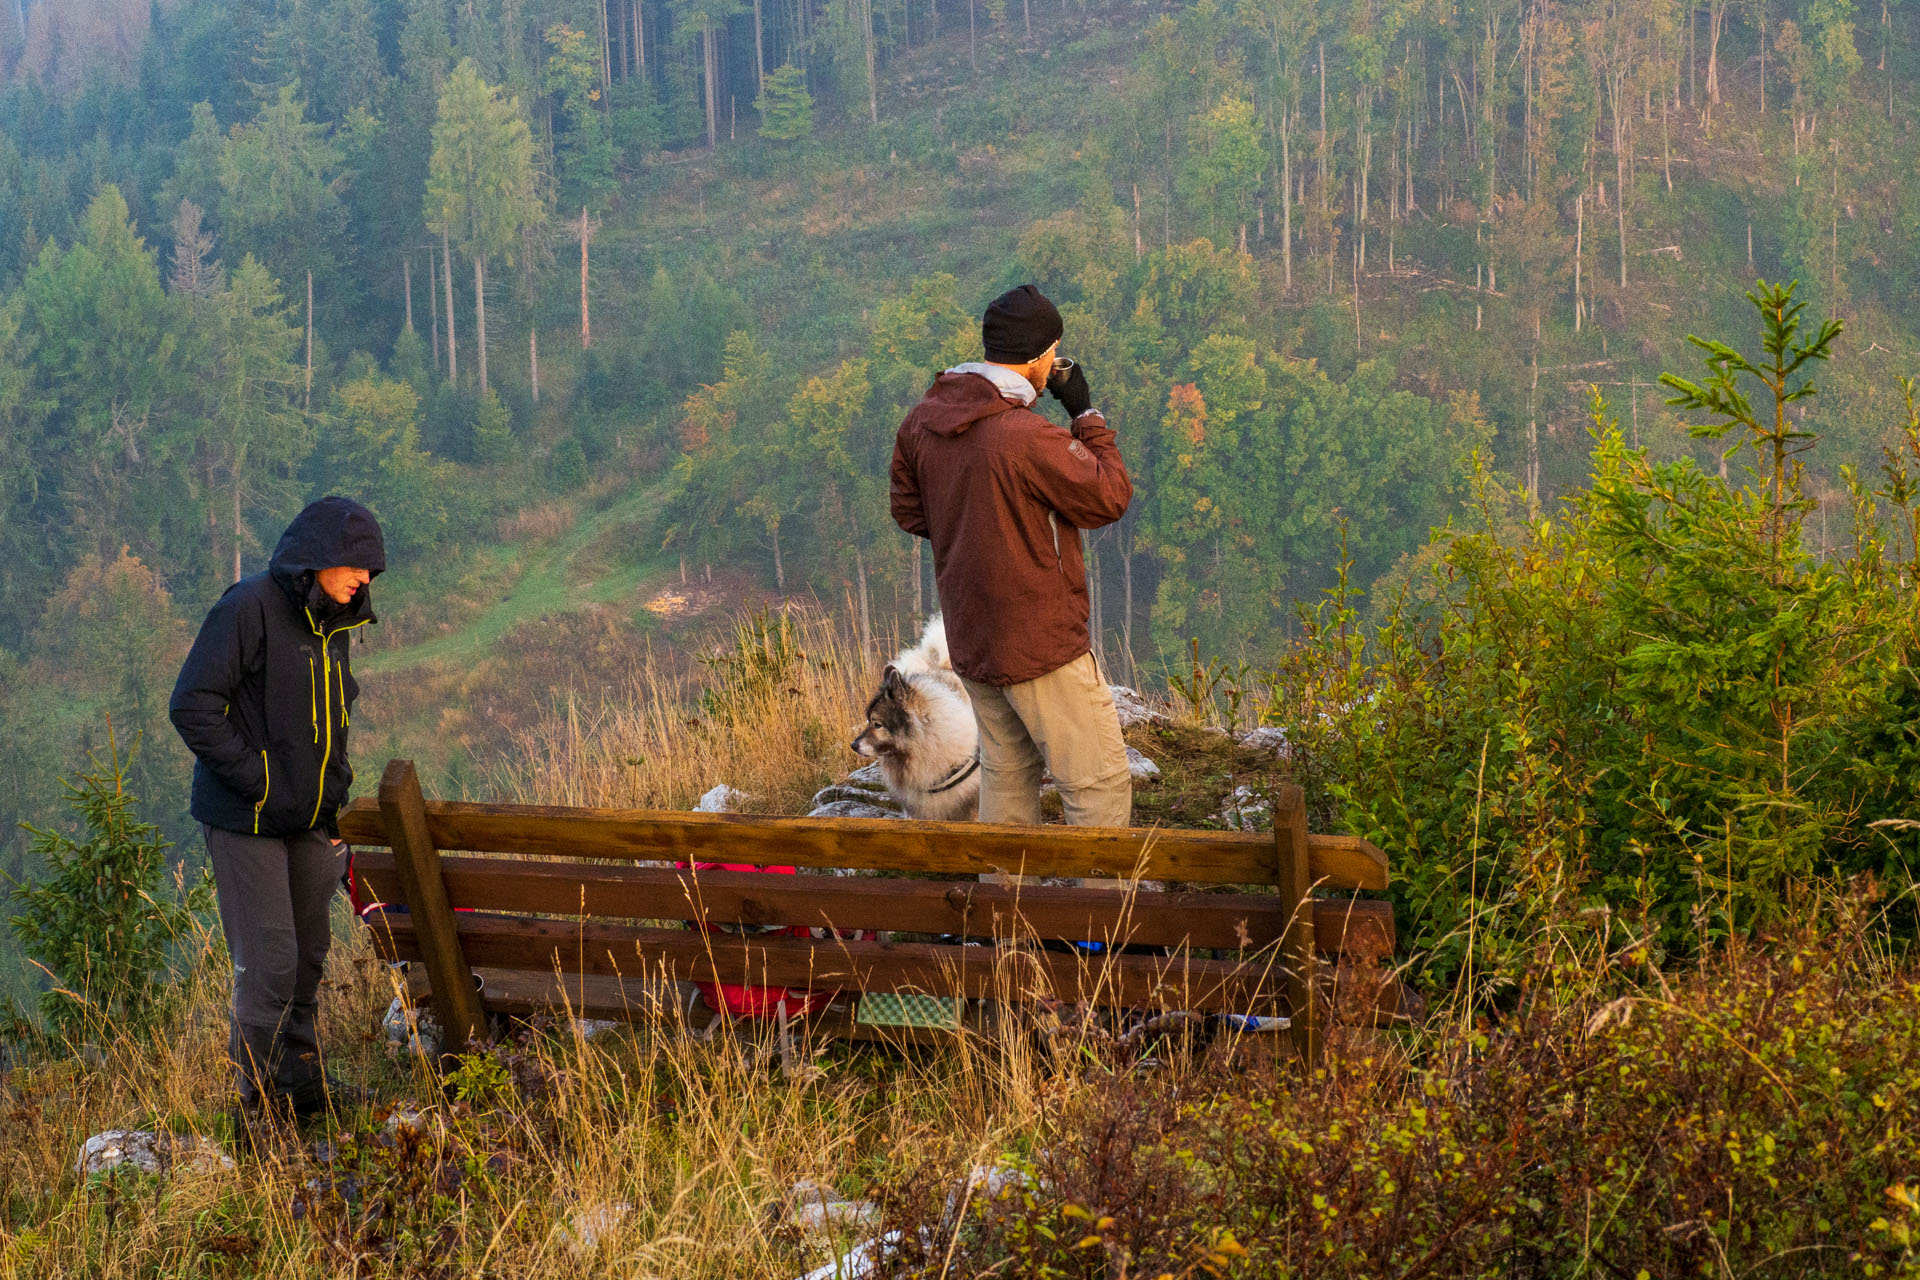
<point>681,1154</point>
<point>770,712</point>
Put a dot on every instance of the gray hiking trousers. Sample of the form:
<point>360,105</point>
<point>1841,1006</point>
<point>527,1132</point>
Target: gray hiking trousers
<point>274,896</point>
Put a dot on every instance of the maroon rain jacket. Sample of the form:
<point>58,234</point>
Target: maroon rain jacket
<point>1002,494</point>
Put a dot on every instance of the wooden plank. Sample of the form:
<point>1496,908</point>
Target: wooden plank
<point>1197,920</point>
<point>521,994</point>
<point>572,947</point>
<point>1294,878</point>
<point>417,865</point>
<point>1359,927</point>
<point>524,994</point>
<point>1195,857</point>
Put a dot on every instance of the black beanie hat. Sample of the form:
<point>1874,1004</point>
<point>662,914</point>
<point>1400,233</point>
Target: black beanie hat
<point>1019,325</point>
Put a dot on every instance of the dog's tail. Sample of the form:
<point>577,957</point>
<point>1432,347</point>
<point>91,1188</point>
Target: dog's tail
<point>929,657</point>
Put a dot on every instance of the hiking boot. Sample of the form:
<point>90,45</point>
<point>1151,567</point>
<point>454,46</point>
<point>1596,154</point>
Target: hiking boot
<point>260,1125</point>
<point>327,1094</point>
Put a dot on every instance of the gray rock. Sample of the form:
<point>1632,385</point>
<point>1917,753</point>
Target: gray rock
<point>1132,708</point>
<point>862,1262</point>
<point>860,795</point>
<point>722,799</point>
<point>817,1208</point>
<point>592,1028</point>
<point>414,1029</point>
<point>868,776</point>
<point>1141,767</point>
<point>590,1227</point>
<point>150,1152</point>
<point>1245,811</point>
<point>1268,738</point>
<point>853,809</point>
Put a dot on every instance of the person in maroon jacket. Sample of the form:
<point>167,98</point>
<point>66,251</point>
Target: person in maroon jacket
<point>1002,493</point>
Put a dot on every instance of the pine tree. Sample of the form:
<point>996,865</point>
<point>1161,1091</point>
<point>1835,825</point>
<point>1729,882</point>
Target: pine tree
<point>101,919</point>
<point>480,182</point>
<point>785,106</point>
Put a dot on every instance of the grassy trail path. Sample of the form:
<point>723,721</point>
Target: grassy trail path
<point>543,582</point>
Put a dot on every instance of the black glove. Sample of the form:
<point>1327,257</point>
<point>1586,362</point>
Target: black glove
<point>1069,387</point>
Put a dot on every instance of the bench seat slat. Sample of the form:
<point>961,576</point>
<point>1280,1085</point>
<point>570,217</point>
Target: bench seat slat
<point>1198,920</point>
<point>1197,857</point>
<point>591,947</point>
<point>526,994</point>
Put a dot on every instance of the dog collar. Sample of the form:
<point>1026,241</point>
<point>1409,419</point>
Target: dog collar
<point>959,775</point>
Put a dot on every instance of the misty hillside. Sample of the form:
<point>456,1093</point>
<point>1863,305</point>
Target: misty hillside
<point>1315,258</point>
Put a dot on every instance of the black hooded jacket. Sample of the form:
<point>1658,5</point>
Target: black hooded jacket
<point>265,696</point>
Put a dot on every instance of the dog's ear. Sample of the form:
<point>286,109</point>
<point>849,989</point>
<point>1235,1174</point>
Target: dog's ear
<point>892,683</point>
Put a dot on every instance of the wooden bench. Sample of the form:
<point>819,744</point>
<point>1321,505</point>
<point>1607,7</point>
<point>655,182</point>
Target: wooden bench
<point>572,916</point>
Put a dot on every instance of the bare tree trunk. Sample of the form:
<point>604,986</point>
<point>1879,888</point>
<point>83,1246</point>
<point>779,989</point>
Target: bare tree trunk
<point>873,83</point>
<point>779,568</point>
<point>1091,543</point>
<point>308,402</point>
<point>640,35</point>
<point>1026,8</point>
<point>1579,231</point>
<point>1533,431</point>
<point>406,278</point>
<point>759,51</point>
<point>1356,298</point>
<point>480,317</point>
<point>586,327</point>
<point>1326,208</point>
<point>1716,24</point>
<point>866,616</point>
<point>446,282</point>
<point>710,61</point>
<point>533,360</point>
<point>236,519</point>
<point>1139,245</point>
<point>1286,201</point>
<point>1126,605</point>
<point>1666,138</point>
<point>433,302</point>
<point>606,59</point>
<point>973,58</point>
<point>1833,247</point>
<point>1619,173</point>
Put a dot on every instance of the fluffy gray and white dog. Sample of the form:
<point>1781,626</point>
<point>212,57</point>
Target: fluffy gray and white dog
<point>921,731</point>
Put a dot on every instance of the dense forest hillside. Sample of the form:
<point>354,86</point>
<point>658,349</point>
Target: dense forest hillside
<point>610,307</point>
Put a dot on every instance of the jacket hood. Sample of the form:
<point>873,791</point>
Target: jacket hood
<point>965,394</point>
<point>332,532</point>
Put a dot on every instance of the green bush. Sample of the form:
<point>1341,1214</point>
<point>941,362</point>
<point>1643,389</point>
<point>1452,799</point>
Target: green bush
<point>1753,1117</point>
<point>103,923</point>
<point>1663,699</point>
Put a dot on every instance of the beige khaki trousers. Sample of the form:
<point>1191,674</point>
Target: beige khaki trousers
<point>1062,723</point>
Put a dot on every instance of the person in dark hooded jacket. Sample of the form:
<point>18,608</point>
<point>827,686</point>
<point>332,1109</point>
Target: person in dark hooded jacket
<point>264,702</point>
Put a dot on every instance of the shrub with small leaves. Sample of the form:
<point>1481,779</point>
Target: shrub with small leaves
<point>103,922</point>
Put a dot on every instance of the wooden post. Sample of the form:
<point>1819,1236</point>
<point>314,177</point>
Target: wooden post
<point>1292,875</point>
<point>403,810</point>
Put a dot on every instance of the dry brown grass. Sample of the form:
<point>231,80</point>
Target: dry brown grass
<point>769,710</point>
<point>540,523</point>
<point>701,1142</point>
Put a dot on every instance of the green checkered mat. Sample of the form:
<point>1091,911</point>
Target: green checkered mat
<point>898,1009</point>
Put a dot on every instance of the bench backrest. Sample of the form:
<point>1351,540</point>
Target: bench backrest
<point>560,902</point>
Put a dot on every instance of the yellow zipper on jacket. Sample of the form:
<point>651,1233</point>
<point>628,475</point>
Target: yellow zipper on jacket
<point>266,790</point>
<point>326,685</point>
<point>313,699</point>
